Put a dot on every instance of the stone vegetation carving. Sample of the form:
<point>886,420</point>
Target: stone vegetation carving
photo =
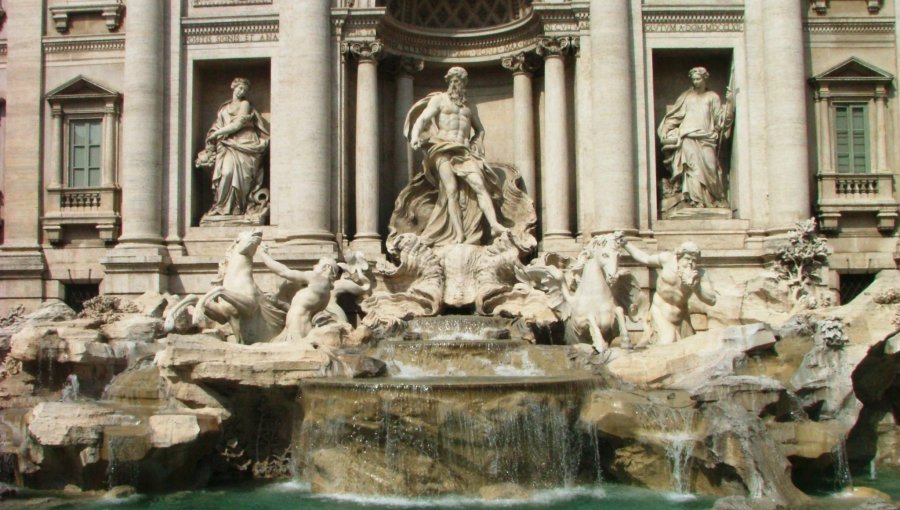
<point>830,333</point>
<point>235,146</point>
<point>692,134</point>
<point>799,262</point>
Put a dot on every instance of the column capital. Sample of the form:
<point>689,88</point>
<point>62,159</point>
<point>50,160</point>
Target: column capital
<point>409,65</point>
<point>554,46</point>
<point>364,51</point>
<point>519,63</point>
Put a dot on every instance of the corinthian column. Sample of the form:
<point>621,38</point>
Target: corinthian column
<point>142,125</point>
<point>523,118</point>
<point>786,150</point>
<point>555,176</point>
<point>613,115</point>
<point>301,123</point>
<point>367,145</point>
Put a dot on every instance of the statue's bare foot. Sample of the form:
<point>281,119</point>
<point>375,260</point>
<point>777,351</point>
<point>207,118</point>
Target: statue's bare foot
<point>458,239</point>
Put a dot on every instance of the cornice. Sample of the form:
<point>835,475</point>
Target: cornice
<point>89,43</point>
<point>850,26</point>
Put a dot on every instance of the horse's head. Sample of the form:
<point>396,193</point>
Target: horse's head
<point>247,242</point>
<point>604,250</point>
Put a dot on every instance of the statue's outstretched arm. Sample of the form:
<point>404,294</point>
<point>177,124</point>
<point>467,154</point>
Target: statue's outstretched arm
<point>281,269</point>
<point>642,257</point>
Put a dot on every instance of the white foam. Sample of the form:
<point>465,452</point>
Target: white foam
<point>538,499</point>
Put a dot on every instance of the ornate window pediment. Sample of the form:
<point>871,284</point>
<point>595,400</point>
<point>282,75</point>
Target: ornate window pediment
<point>83,151</point>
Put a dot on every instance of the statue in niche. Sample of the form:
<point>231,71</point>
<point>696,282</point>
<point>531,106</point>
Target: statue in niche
<point>692,134</point>
<point>678,278</point>
<point>235,146</point>
<point>457,198</point>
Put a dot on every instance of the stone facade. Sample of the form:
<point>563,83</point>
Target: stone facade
<point>570,92</point>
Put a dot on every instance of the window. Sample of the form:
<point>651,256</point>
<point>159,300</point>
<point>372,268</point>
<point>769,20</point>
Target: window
<point>85,153</point>
<point>81,154</point>
<point>851,123</point>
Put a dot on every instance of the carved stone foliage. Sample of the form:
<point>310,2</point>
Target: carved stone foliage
<point>554,46</point>
<point>364,50</point>
<point>519,63</point>
<point>800,260</point>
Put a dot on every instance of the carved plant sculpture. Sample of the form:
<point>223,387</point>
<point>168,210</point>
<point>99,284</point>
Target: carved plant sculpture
<point>799,262</point>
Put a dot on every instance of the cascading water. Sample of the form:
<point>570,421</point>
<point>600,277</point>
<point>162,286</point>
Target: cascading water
<point>676,428</point>
<point>458,430</point>
<point>71,389</point>
<point>842,477</point>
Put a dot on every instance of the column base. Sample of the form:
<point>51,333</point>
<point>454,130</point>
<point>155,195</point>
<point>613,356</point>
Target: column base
<point>21,278</point>
<point>369,244</point>
<point>132,270</point>
<point>560,244</point>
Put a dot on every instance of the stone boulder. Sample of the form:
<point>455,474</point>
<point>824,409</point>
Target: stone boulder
<point>206,359</point>
<point>691,362</point>
<point>134,328</point>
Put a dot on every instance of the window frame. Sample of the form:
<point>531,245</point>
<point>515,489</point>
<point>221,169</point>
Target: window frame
<point>68,136</point>
<point>866,129</point>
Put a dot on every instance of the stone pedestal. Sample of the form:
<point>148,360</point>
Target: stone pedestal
<point>134,270</point>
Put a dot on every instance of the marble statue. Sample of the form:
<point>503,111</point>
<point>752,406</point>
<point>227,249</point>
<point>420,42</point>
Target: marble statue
<point>235,145</point>
<point>691,136</point>
<point>595,311</point>
<point>678,278</point>
<point>310,293</point>
<point>236,299</point>
<point>457,198</point>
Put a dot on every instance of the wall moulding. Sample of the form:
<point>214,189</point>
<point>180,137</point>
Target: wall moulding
<point>849,26</point>
<point>74,44</point>
<point>223,3</point>
<point>249,29</point>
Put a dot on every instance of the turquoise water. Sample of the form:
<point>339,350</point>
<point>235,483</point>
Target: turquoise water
<point>296,496</point>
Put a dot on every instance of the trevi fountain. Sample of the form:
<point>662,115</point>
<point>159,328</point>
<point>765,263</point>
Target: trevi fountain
<point>464,368</point>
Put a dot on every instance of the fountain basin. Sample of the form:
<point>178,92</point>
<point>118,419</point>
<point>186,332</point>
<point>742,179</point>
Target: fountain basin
<point>433,436</point>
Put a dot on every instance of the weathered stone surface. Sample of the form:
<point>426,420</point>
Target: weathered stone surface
<point>753,393</point>
<point>692,361</point>
<point>134,328</point>
<point>808,439</point>
<point>152,304</point>
<point>70,423</point>
<point>51,311</point>
<point>168,430</point>
<point>205,358</point>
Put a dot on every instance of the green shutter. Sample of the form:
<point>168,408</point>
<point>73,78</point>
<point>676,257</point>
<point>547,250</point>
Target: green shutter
<point>851,138</point>
<point>85,153</point>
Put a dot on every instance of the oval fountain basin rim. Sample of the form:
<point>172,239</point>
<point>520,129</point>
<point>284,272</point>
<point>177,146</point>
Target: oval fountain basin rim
<point>498,383</point>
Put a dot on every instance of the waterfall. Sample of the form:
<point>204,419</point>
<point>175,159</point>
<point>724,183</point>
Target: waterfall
<point>472,431</point>
<point>676,429</point>
<point>842,477</point>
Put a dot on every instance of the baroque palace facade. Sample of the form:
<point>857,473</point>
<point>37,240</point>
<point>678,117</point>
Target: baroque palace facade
<point>106,108</point>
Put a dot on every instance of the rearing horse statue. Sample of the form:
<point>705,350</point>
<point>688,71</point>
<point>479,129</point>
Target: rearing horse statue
<point>236,299</point>
<point>594,312</point>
